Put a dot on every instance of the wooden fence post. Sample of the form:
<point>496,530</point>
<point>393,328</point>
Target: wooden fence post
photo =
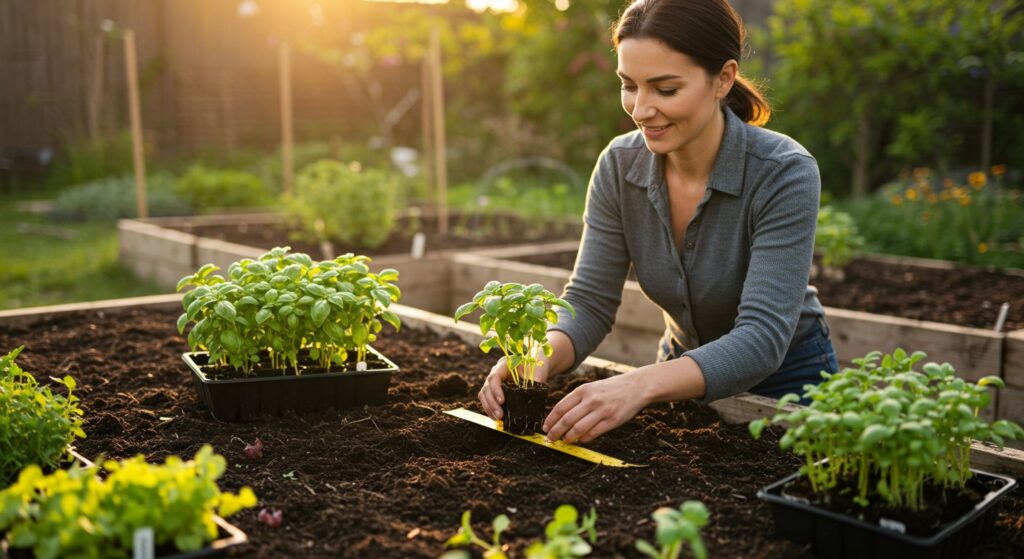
<point>440,164</point>
<point>131,67</point>
<point>287,170</point>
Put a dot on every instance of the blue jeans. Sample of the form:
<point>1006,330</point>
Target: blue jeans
<point>802,365</point>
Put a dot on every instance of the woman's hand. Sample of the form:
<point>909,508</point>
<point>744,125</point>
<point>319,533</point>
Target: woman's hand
<point>595,408</point>
<point>491,394</point>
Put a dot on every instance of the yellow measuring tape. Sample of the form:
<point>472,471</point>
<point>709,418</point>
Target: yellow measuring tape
<point>570,449</point>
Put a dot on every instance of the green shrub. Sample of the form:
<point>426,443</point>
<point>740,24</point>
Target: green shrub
<point>972,220</point>
<point>206,189</point>
<point>114,198</point>
<point>90,160</point>
<point>890,430</point>
<point>343,202</point>
<point>74,513</point>
<point>36,425</point>
<point>836,237</point>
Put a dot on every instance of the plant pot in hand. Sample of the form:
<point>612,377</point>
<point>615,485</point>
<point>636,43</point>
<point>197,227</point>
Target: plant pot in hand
<point>887,461</point>
<point>515,319</point>
<point>284,333</point>
<point>525,407</point>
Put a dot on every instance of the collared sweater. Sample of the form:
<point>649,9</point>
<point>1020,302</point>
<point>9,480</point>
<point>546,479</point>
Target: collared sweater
<point>737,296</point>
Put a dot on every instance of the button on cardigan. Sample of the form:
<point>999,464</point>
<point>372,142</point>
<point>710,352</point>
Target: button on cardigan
<point>738,295</point>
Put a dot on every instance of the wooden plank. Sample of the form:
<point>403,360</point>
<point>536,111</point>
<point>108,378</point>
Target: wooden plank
<point>287,165</point>
<point>973,352</point>
<point>1013,359</point>
<point>29,316</point>
<point>438,128</point>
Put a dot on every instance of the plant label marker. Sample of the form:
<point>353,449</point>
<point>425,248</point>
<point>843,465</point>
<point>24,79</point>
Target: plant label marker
<point>536,438</point>
<point>143,543</point>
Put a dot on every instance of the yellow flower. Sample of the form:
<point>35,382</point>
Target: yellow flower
<point>998,170</point>
<point>911,194</point>
<point>976,180</point>
<point>982,248</point>
<point>959,192</point>
<point>964,200</point>
<point>896,200</point>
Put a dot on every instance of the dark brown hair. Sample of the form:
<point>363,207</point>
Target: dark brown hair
<point>708,31</point>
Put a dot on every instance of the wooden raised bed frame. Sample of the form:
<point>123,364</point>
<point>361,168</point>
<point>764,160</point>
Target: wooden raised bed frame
<point>442,280</point>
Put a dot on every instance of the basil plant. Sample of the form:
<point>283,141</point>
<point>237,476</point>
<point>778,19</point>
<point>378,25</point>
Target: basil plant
<point>284,303</point>
<point>515,320</point>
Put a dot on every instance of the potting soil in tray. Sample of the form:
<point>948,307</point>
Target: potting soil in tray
<point>961,296</point>
<point>392,481</point>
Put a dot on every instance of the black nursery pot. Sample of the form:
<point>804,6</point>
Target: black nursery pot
<point>525,408</point>
<point>836,535</point>
<point>276,392</point>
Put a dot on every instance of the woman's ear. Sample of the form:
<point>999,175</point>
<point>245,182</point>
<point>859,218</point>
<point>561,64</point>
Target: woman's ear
<point>726,78</point>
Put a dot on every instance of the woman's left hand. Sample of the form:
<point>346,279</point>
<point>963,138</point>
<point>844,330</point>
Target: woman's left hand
<point>595,408</point>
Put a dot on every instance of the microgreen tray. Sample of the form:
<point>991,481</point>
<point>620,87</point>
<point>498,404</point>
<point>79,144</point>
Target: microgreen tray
<point>839,536</point>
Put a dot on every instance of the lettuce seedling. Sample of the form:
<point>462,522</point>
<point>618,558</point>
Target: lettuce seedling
<point>254,451</point>
<point>36,425</point>
<point>75,513</point>
<point>515,319</point>
<point>563,537</point>
<point>884,426</point>
<point>676,528</point>
<point>271,518</point>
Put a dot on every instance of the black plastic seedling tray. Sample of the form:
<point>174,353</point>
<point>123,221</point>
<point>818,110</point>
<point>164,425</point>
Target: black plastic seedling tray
<point>838,536</point>
<point>250,397</point>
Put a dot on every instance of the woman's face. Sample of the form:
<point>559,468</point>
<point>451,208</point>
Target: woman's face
<point>671,98</point>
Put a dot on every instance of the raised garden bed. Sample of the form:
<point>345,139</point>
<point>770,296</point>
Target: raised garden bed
<point>163,250</point>
<point>973,351</point>
<point>392,481</point>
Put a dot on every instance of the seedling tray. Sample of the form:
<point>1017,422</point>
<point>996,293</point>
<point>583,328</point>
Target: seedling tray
<point>229,534</point>
<point>839,536</point>
<point>239,399</point>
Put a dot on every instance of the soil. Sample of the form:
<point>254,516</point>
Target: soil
<point>392,481</point>
<point>524,408</point>
<point>962,296</point>
<point>466,231</point>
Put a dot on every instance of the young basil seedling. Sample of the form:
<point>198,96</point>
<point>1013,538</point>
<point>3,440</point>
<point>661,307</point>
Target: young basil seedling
<point>515,319</point>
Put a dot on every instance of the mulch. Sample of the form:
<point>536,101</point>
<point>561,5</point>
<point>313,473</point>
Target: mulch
<point>392,481</point>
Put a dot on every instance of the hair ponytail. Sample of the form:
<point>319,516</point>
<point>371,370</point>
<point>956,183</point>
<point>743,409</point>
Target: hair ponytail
<point>746,100</point>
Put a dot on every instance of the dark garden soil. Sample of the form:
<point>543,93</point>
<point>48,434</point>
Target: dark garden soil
<point>961,296</point>
<point>465,231</point>
<point>392,481</point>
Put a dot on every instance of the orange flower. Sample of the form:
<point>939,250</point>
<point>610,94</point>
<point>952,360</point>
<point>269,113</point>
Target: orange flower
<point>998,170</point>
<point>896,200</point>
<point>982,248</point>
<point>911,194</point>
<point>976,180</point>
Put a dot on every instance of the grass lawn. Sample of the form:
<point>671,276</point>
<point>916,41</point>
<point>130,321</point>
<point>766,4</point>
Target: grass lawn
<point>47,262</point>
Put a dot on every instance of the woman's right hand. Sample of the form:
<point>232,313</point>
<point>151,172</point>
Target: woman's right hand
<point>492,396</point>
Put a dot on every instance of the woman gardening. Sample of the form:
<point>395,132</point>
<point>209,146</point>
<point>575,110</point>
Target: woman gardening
<point>715,214</point>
